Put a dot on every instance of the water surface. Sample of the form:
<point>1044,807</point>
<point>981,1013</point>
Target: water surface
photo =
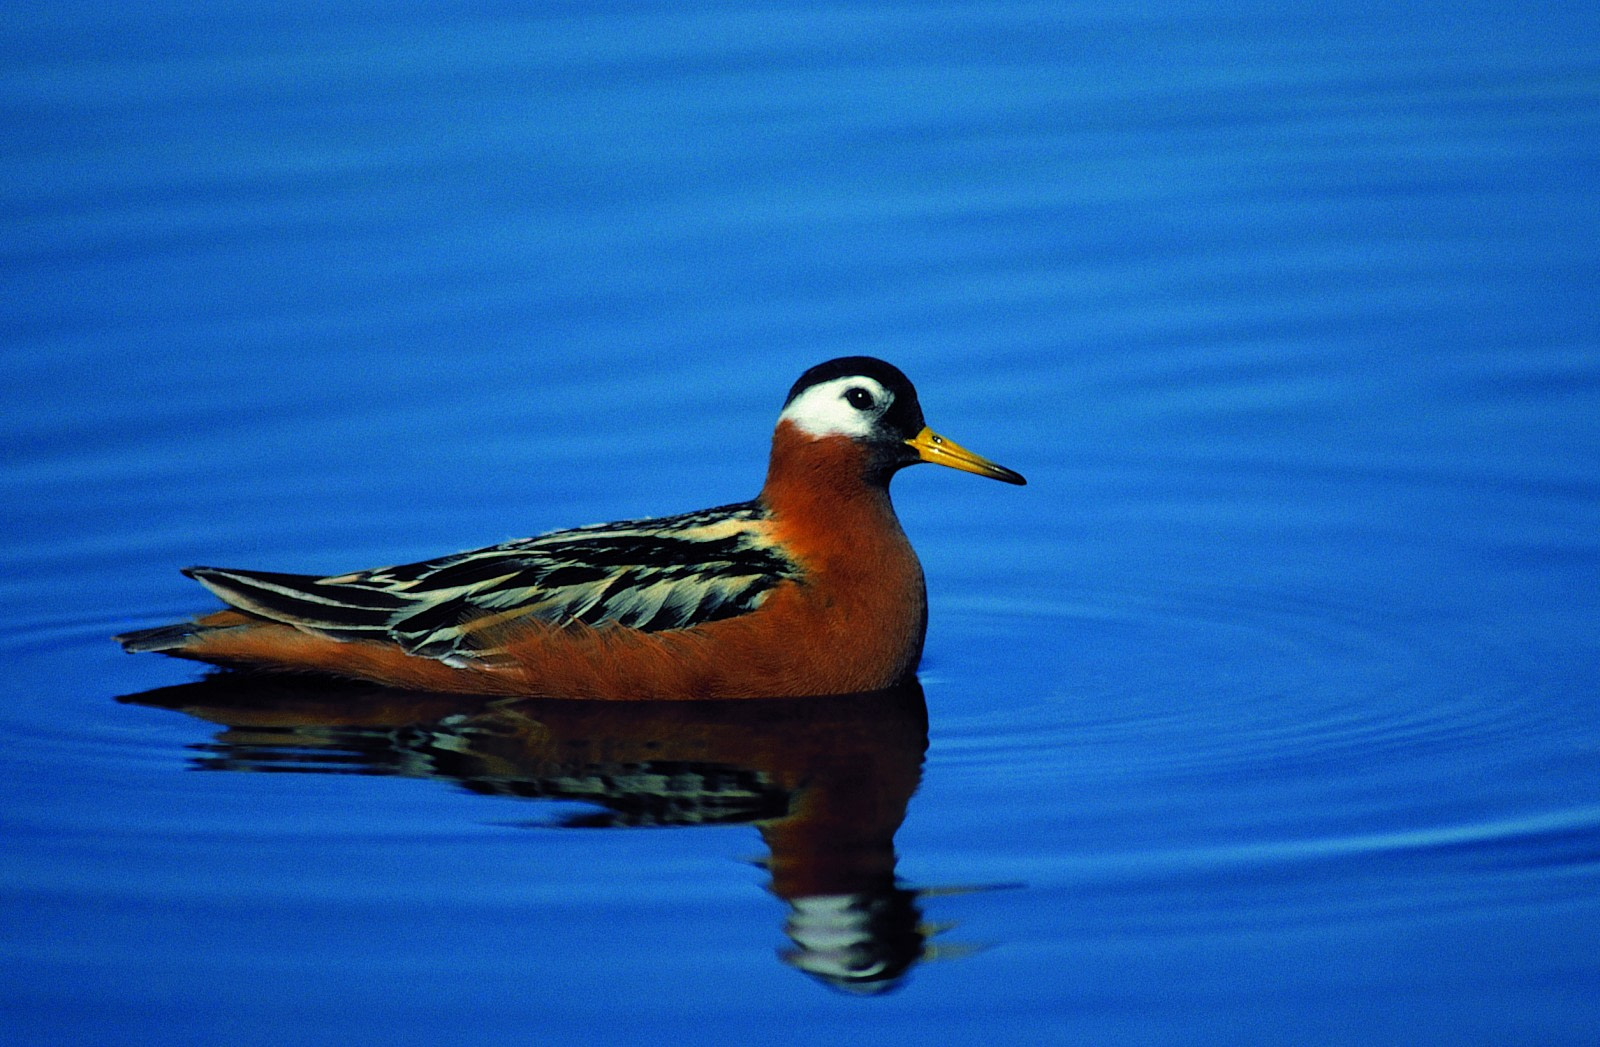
<point>1264,714</point>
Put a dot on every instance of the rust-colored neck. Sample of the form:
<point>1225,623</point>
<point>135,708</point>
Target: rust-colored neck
<point>861,578</point>
<point>825,486</point>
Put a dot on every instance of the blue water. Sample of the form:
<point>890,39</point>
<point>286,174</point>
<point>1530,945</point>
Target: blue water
<point>1266,713</point>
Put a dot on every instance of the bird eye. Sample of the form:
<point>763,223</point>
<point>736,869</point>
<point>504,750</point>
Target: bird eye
<point>859,398</point>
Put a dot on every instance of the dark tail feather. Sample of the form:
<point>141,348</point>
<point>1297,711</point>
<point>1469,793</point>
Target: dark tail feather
<point>301,600</point>
<point>161,638</point>
<point>343,612</point>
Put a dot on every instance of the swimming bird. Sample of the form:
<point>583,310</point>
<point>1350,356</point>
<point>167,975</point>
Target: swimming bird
<point>810,588</point>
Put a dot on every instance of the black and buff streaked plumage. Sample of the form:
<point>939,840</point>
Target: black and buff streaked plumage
<point>653,574</point>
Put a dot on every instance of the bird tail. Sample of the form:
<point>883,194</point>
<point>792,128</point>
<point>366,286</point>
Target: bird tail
<point>343,611</point>
<point>161,638</point>
<point>340,612</point>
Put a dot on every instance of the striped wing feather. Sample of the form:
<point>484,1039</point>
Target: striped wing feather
<point>666,573</point>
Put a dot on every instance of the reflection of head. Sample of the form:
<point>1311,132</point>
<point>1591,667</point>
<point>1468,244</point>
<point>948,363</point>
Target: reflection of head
<point>861,944</point>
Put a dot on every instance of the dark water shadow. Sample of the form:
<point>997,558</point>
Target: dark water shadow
<point>826,781</point>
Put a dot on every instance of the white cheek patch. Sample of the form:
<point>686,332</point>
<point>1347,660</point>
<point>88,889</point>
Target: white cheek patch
<point>823,410</point>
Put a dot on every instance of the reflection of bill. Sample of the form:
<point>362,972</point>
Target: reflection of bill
<point>826,781</point>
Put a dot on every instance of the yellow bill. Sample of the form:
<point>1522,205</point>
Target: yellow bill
<point>931,447</point>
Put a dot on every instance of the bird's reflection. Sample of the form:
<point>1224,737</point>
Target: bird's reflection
<point>825,780</point>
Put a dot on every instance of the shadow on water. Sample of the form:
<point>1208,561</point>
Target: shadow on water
<point>826,781</point>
